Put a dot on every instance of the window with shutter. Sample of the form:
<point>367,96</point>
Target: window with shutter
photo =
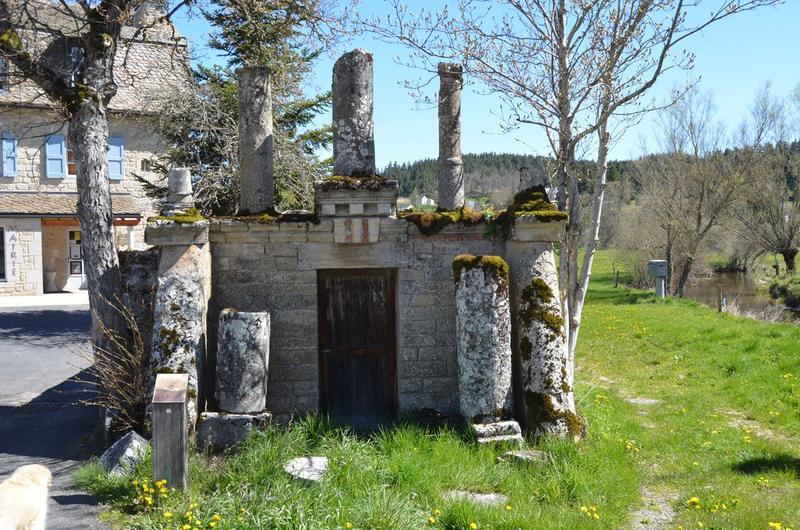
<point>55,151</point>
<point>116,158</point>
<point>2,254</point>
<point>9,155</point>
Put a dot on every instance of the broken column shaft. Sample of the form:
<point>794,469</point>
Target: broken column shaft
<point>353,136</point>
<point>483,330</point>
<point>451,168</point>
<point>255,140</point>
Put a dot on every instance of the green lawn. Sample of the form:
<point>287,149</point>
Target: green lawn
<point>719,448</point>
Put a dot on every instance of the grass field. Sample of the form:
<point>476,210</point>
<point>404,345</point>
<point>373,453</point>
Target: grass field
<point>693,423</point>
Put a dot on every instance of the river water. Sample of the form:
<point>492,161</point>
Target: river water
<point>736,286</point>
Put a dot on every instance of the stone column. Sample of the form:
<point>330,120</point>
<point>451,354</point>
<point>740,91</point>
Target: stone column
<point>483,335</point>
<point>451,168</point>
<point>353,136</point>
<point>181,303</point>
<point>545,402</point>
<point>255,140</point>
<point>242,361</point>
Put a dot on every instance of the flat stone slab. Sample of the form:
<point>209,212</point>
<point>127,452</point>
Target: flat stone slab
<point>497,428</point>
<point>643,401</point>
<point>486,499</point>
<point>307,468</point>
<point>515,439</point>
<point>219,432</point>
<point>123,456</point>
<point>527,456</point>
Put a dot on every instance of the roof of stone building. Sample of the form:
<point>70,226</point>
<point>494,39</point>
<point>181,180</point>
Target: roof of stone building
<point>59,204</point>
<point>151,61</point>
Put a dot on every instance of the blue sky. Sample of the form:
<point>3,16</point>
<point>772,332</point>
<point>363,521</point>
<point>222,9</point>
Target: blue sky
<point>733,59</point>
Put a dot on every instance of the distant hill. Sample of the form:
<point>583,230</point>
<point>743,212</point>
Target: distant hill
<point>492,175</point>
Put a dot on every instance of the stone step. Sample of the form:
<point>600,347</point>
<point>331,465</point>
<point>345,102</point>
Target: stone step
<point>504,438</point>
<point>497,428</point>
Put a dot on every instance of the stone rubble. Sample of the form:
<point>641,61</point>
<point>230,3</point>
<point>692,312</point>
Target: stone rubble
<point>309,469</point>
<point>123,456</point>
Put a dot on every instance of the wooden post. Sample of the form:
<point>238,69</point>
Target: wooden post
<point>720,299</point>
<point>170,430</point>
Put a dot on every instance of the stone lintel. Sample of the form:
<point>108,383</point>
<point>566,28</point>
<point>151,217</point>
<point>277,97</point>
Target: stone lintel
<point>531,229</point>
<point>166,233</point>
<point>357,203</point>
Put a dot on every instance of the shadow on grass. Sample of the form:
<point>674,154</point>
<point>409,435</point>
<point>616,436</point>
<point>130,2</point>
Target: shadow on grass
<point>763,464</point>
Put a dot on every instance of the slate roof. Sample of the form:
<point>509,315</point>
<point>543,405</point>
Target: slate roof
<point>32,204</point>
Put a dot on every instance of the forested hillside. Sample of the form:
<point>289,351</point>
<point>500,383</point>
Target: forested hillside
<point>493,175</point>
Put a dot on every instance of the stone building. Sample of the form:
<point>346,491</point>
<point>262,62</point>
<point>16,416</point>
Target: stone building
<point>361,300</point>
<point>40,238</point>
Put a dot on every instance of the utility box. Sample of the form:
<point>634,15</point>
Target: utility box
<point>657,268</point>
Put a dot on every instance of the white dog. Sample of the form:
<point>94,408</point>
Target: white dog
<point>23,498</point>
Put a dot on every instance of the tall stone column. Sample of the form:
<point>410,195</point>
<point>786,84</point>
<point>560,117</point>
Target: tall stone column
<point>353,135</point>
<point>451,168</point>
<point>255,140</point>
<point>545,401</point>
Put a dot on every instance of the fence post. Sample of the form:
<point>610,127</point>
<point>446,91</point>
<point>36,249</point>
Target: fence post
<point>170,430</point>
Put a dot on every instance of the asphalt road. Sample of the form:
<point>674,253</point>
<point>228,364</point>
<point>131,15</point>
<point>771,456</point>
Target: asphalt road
<point>42,359</point>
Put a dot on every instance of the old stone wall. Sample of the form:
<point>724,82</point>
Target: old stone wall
<point>23,256</point>
<point>273,267</point>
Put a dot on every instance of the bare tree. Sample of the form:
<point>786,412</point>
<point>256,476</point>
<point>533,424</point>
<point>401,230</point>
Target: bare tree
<point>69,53</point>
<point>690,188</point>
<point>579,70</point>
<point>769,215</point>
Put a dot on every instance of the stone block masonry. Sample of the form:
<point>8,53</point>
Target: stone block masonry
<point>273,268</point>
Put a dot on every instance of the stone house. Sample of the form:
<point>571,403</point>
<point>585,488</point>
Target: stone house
<point>40,237</point>
<point>360,300</point>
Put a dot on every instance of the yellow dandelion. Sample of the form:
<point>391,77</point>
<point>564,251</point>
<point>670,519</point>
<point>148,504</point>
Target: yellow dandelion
<point>473,525</point>
<point>348,525</point>
<point>431,520</point>
<point>168,515</point>
<point>776,526</point>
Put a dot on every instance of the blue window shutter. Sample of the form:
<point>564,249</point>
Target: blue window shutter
<point>116,158</point>
<point>9,155</point>
<point>55,153</point>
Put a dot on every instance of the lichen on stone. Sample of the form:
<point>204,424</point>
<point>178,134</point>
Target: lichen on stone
<point>494,265</point>
<point>431,223</point>
<point>367,182</point>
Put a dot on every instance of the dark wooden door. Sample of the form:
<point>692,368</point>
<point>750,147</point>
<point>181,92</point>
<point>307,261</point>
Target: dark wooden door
<point>357,345</point>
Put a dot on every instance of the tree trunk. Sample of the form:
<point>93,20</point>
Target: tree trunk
<point>683,276</point>
<point>789,254</point>
<point>88,136</point>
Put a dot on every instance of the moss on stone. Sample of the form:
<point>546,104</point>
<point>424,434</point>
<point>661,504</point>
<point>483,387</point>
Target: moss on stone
<point>535,306</point>
<point>531,203</point>
<point>11,39</point>
<point>191,215</point>
<point>431,223</point>
<point>273,217</point>
<point>494,265</point>
<point>367,182</point>
<point>540,411</point>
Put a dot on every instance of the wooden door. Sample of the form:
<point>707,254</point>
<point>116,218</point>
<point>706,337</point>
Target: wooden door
<point>357,345</point>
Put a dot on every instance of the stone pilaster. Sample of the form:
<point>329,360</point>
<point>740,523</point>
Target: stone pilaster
<point>255,140</point>
<point>451,168</point>
<point>353,135</point>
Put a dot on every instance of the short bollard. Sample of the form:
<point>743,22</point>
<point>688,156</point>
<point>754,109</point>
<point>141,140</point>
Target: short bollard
<point>170,430</point>
<point>658,270</point>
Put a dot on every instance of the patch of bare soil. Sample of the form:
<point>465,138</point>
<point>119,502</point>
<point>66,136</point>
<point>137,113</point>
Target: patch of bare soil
<point>656,511</point>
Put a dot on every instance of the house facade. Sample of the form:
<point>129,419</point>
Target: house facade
<point>40,236</point>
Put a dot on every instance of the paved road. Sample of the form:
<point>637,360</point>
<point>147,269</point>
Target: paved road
<point>40,358</point>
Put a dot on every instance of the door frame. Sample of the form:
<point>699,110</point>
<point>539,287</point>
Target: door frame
<point>391,313</point>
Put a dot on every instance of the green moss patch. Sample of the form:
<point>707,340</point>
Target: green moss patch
<point>371,182</point>
<point>535,305</point>
<point>494,265</point>
<point>431,223</point>
<point>540,410</point>
<point>192,215</point>
<point>531,203</point>
<point>274,217</point>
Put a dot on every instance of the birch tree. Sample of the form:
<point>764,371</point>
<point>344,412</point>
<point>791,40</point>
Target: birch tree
<point>79,91</point>
<point>579,70</point>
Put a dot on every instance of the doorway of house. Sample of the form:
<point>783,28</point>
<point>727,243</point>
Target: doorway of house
<point>76,278</point>
<point>357,345</point>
